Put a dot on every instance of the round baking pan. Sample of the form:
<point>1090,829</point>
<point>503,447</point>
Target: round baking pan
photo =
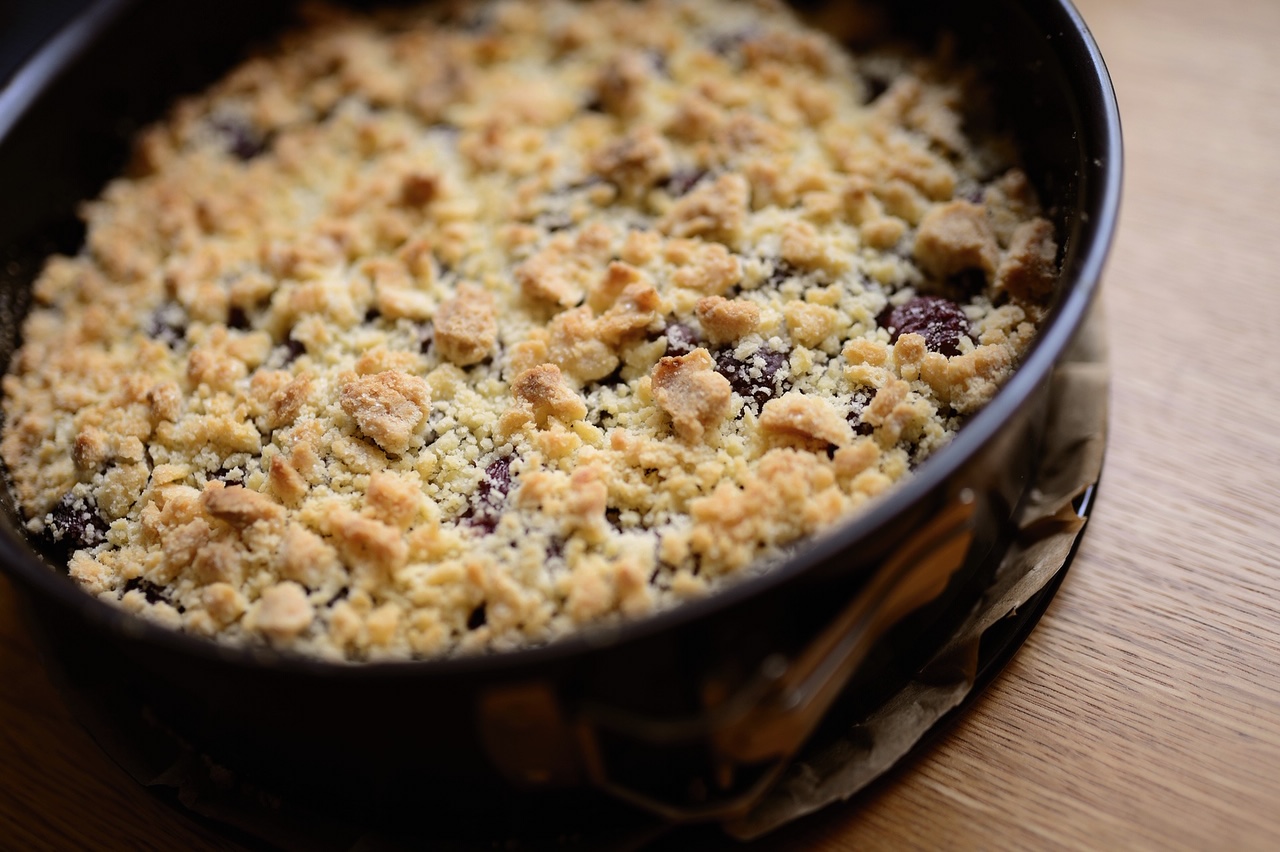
<point>234,809</point>
<point>689,713</point>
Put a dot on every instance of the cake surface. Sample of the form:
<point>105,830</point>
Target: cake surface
<point>463,328</point>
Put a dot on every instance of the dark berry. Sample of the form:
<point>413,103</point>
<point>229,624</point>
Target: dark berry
<point>294,349</point>
<point>168,324</point>
<point>681,339</point>
<point>683,181</point>
<point>553,223</point>
<point>916,457</point>
<point>484,521</point>
<point>237,319</point>
<point>479,366</point>
<point>477,618</point>
<point>154,593</point>
<point>477,20</point>
<point>861,399</point>
<point>658,60</point>
<point>74,523</point>
<point>756,378</point>
<point>782,272</point>
<point>579,186</point>
<point>614,517</point>
<point>941,323</point>
<point>875,87</point>
<point>486,505</point>
<point>242,140</point>
<point>497,480</point>
<point>729,43</point>
<point>231,476</point>
<point>612,380</point>
<point>968,284</point>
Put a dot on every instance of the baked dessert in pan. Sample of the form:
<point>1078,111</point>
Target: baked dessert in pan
<point>461,328</point>
<point>689,711</point>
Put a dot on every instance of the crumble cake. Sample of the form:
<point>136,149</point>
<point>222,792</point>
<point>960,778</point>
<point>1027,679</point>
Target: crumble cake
<point>461,328</point>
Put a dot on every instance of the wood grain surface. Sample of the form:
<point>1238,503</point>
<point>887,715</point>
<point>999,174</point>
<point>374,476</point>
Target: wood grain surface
<point>1144,712</point>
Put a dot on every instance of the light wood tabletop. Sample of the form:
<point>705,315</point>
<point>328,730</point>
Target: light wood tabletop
<point>1144,711</point>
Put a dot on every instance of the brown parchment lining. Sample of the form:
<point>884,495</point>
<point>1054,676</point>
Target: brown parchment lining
<point>1048,527</point>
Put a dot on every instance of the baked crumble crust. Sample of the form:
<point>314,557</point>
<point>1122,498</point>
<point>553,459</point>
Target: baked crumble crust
<point>434,332</point>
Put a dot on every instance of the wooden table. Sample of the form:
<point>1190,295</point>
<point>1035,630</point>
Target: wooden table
<point>1144,712</point>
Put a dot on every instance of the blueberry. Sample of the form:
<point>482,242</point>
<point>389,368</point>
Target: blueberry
<point>477,618</point>
<point>941,323</point>
<point>755,379</point>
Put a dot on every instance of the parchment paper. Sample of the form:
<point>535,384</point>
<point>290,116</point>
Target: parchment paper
<point>1048,529</point>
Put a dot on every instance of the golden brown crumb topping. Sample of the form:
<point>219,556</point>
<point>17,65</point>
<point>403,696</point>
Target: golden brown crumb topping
<point>465,327</point>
